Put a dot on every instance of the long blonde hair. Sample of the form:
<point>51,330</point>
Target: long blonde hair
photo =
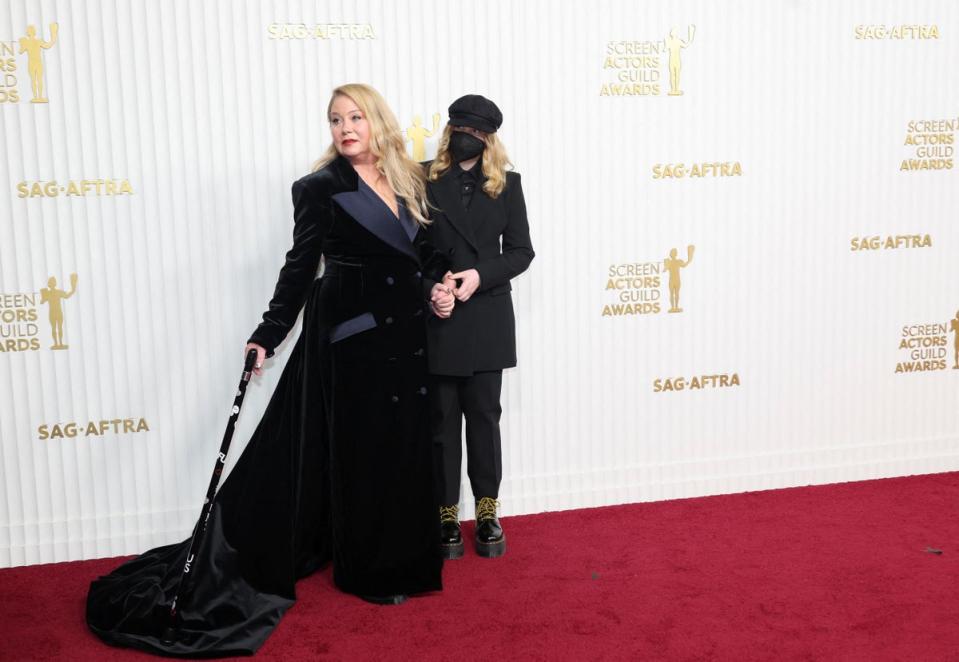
<point>404,175</point>
<point>495,162</point>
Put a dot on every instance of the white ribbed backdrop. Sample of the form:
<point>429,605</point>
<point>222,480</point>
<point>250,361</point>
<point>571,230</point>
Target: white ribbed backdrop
<point>210,119</point>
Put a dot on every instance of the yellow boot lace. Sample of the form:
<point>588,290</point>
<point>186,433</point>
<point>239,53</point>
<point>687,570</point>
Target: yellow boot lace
<point>449,514</point>
<point>486,508</point>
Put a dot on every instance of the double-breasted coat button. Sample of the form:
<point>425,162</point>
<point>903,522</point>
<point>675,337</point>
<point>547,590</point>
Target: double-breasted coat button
<point>422,390</point>
<point>418,352</point>
<point>419,274</point>
<point>395,398</point>
<point>389,280</point>
<point>388,320</point>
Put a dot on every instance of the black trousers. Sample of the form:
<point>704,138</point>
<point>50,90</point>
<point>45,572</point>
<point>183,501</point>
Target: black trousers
<point>476,399</point>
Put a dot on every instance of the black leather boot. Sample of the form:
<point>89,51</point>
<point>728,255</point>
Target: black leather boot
<point>397,599</point>
<point>490,539</point>
<point>451,539</point>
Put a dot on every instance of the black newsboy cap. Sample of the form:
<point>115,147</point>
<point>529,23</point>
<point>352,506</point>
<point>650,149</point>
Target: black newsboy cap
<point>476,111</point>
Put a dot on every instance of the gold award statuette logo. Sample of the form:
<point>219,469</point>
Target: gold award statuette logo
<point>417,134</point>
<point>637,286</point>
<point>675,45</point>
<point>33,46</point>
<point>929,145</point>
<point>673,265</point>
<point>20,315</point>
<point>54,298</point>
<point>636,67</point>
<point>954,326</point>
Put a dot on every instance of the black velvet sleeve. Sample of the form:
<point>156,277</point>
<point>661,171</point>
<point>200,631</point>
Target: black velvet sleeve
<point>312,219</point>
<point>517,247</point>
<point>435,264</point>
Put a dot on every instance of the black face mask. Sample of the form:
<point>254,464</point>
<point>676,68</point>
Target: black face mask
<point>464,146</point>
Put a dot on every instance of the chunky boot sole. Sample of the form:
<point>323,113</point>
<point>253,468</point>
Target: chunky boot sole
<point>451,552</point>
<point>492,549</point>
<point>385,599</point>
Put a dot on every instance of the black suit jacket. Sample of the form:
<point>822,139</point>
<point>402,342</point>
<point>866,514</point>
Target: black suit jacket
<point>493,238</point>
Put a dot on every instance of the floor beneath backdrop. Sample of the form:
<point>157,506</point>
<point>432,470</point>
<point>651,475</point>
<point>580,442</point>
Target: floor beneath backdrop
<point>858,571</point>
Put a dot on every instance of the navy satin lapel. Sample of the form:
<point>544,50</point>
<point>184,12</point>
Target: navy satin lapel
<point>407,222</point>
<point>374,215</point>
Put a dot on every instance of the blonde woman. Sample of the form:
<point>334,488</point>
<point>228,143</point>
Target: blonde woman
<point>340,467</point>
<point>480,224</point>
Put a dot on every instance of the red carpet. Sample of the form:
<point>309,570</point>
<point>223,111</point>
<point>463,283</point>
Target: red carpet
<point>839,572</point>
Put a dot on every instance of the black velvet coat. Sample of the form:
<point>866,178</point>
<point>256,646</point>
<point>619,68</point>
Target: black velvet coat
<point>340,466</point>
<point>492,236</point>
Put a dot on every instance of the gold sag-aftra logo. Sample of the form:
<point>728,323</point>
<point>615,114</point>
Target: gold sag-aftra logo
<point>875,242</point>
<point>646,68</point>
<point>926,347</point>
<point>78,188</point>
<point>929,145</point>
<point>22,321</point>
<point>703,170</point>
<point>695,382</point>
<point>32,45</point>
<point>99,428</point>
<point>321,31</point>
<point>646,288</point>
<point>883,32</point>
<point>417,134</point>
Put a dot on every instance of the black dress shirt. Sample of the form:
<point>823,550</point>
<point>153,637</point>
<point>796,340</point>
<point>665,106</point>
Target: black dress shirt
<point>468,179</point>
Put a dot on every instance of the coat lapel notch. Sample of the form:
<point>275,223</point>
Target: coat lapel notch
<point>448,199</point>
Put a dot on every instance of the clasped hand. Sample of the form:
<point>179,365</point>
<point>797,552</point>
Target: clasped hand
<point>459,286</point>
<point>442,298</point>
<point>469,282</point>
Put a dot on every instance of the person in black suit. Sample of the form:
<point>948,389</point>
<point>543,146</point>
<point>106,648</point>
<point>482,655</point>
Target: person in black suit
<point>480,223</point>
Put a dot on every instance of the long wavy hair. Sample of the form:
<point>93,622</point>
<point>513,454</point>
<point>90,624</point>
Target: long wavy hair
<point>404,175</point>
<point>495,162</point>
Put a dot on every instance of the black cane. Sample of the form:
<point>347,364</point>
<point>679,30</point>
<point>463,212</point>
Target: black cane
<point>200,528</point>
